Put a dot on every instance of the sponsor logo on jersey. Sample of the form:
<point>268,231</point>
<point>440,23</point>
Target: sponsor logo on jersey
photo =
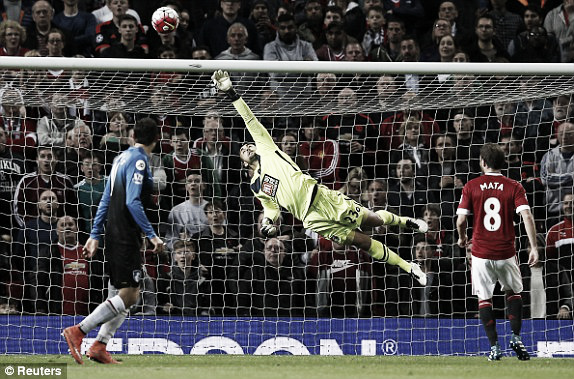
<point>99,38</point>
<point>269,185</point>
<point>140,164</point>
<point>138,178</point>
<point>340,265</point>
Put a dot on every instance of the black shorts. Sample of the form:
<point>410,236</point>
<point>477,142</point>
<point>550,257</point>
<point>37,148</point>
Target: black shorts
<point>124,264</point>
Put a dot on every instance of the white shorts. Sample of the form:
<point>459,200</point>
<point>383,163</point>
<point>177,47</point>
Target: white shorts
<point>486,272</point>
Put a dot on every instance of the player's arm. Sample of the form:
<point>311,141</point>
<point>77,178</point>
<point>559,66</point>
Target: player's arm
<point>530,227</point>
<point>461,225</point>
<point>260,135</point>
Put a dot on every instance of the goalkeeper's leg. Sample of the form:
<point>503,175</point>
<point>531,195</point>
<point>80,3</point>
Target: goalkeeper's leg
<point>381,252</point>
<point>379,218</point>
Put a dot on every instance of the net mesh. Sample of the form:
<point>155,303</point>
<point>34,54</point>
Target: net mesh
<point>356,133</point>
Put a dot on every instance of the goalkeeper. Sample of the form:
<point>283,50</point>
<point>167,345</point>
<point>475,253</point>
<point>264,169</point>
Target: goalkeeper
<point>278,182</point>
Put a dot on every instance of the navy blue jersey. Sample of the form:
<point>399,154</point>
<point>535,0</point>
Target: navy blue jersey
<point>121,207</point>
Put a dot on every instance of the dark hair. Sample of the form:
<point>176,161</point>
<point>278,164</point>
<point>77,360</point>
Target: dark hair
<point>286,17</point>
<point>396,19</point>
<point>434,208</point>
<point>146,131</point>
<point>180,131</point>
<point>124,17</point>
<point>487,16</point>
<point>423,238</point>
<point>493,156</point>
<point>334,9</point>
<point>174,3</point>
<point>182,244</point>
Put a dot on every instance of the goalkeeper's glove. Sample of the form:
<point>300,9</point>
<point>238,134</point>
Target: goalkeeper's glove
<point>222,82</point>
<point>267,228</point>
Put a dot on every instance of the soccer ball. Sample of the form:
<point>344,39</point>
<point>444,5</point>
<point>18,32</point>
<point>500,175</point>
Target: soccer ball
<point>165,20</point>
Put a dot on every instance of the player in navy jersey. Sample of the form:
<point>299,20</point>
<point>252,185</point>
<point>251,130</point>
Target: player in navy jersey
<point>492,199</point>
<point>122,211</point>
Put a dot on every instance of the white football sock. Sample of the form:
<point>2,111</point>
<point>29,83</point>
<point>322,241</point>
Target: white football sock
<point>103,313</point>
<point>109,328</point>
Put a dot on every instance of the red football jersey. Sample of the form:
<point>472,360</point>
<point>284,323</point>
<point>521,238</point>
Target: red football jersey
<point>493,199</point>
<point>76,281</point>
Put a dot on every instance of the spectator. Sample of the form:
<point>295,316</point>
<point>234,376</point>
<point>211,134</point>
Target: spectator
<point>412,145</point>
<point>556,171</point>
<point>410,52</point>
<point>179,45</point>
<point>559,240</point>
<point>108,32</point>
<point>440,230</point>
<point>35,239</point>
<point>446,174</point>
<point>430,50</point>
<point>275,284</point>
<point>434,299</point>
<point>117,137</point>
<point>289,144</point>
<point>506,24</point>
<point>177,163</point>
<point>264,23</point>
<point>487,47</point>
<point>356,132</point>
<point>221,152</point>
<point>377,194</point>
<point>410,11</point>
<point>90,191</point>
<point>325,85</point>
<point>52,129</point>
<point>390,128</point>
<point>74,283</point>
<point>20,131</point>
<point>354,53</point>
<point>334,49</point>
<point>533,18</point>
<point>287,46</point>
<point>188,218</point>
<point>78,146</point>
<point>12,169</point>
<point>446,48</point>
<point>127,47</point>
<point>547,286</point>
<point>468,141</point>
<point>557,22</point>
<point>355,187</point>
<point>562,110</point>
<point>449,11</point>
<point>375,35</point>
<point>214,32</point>
<point>343,276</point>
<point>178,290</point>
<point>12,38</point>
<point>395,33</point>
<point>37,32</point>
<point>106,12</point>
<point>32,185</point>
<point>311,29</point>
<point>537,46</point>
<point>218,256</point>
<point>406,192</point>
<point>79,24</point>
<point>353,18</point>
<point>237,38</point>
<point>321,155</point>
<point>332,13</point>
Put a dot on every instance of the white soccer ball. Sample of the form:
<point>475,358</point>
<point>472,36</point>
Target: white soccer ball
<point>165,20</point>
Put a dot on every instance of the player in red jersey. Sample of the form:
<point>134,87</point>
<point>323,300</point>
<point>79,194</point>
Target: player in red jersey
<point>492,199</point>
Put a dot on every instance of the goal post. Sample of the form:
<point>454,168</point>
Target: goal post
<point>358,127</point>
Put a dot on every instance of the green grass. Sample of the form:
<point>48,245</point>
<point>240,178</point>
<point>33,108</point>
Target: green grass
<point>320,367</point>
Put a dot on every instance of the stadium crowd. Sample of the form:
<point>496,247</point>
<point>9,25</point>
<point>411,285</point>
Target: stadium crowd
<point>55,159</point>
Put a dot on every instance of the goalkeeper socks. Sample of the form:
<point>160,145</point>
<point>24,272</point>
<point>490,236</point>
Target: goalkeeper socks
<point>382,252</point>
<point>103,313</point>
<point>487,318</point>
<point>514,307</point>
<point>389,218</point>
<point>109,328</point>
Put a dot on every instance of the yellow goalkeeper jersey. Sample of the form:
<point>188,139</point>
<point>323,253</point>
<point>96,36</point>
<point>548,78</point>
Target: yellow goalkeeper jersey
<point>279,182</point>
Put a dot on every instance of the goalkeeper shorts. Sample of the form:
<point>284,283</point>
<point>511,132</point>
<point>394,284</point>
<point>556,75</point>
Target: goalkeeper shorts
<point>334,215</point>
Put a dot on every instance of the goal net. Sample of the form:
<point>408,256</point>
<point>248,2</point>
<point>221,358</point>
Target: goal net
<point>400,137</point>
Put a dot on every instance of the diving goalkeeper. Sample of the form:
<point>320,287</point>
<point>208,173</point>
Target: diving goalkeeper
<point>278,182</point>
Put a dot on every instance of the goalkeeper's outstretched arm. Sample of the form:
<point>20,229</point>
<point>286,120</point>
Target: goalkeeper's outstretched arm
<point>261,136</point>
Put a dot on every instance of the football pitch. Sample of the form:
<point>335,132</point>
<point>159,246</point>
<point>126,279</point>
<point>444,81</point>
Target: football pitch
<point>320,367</point>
